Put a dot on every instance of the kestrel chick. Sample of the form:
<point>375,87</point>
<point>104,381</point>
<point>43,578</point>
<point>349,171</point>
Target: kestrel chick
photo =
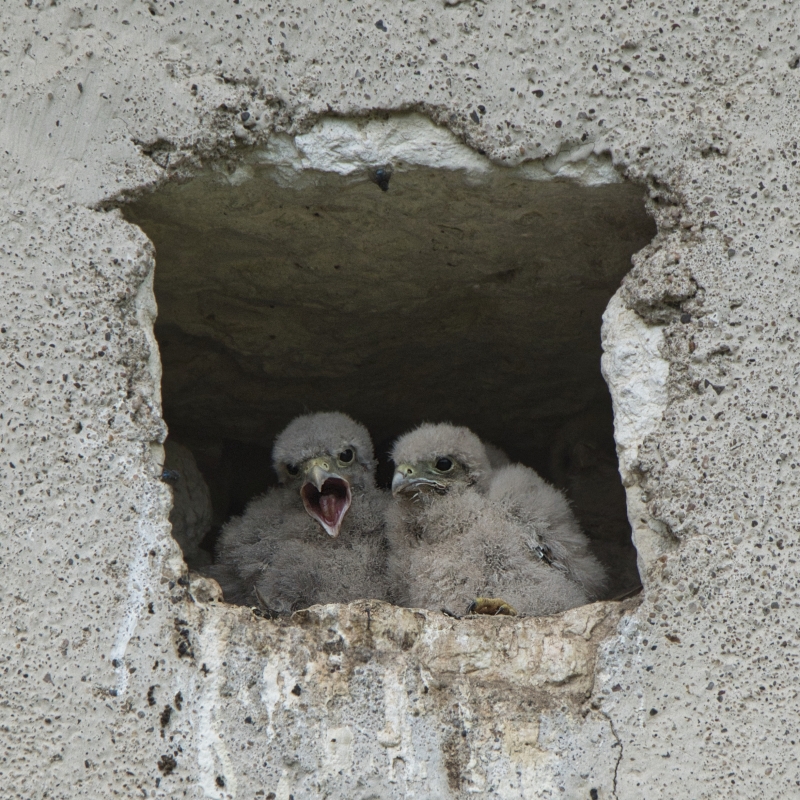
<point>465,537</point>
<point>318,537</point>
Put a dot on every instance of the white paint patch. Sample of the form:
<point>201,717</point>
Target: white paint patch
<point>270,694</point>
<point>139,579</point>
<point>579,164</point>
<point>347,147</point>
<point>286,785</point>
<point>146,313</point>
<point>140,575</point>
<point>338,749</point>
<point>396,735</point>
<point>636,375</point>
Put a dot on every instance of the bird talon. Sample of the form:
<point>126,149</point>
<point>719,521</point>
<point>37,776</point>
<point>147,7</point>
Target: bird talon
<point>493,606</point>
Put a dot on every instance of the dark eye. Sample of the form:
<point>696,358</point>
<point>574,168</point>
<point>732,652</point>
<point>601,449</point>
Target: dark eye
<point>444,465</point>
<point>292,469</point>
<point>346,456</point>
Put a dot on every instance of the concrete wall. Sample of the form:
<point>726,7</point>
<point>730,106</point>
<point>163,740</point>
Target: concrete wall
<point>120,677</point>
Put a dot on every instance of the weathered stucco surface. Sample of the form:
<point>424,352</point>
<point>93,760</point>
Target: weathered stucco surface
<point>120,678</point>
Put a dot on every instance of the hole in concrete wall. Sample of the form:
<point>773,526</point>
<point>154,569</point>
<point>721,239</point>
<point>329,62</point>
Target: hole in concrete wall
<point>452,296</point>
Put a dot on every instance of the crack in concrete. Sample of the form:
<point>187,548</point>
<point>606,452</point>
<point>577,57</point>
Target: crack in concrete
<point>619,755</point>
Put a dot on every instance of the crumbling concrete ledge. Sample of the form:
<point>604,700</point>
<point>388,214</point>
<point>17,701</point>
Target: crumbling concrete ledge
<point>368,697</point>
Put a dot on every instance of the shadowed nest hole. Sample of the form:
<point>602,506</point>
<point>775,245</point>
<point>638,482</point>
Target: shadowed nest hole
<point>441,299</point>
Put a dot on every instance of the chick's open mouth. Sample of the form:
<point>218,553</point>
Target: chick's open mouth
<point>329,504</point>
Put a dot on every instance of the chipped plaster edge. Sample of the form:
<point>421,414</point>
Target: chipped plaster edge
<point>347,146</point>
<point>636,373</point>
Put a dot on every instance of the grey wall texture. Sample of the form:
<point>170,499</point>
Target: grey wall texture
<point>123,676</point>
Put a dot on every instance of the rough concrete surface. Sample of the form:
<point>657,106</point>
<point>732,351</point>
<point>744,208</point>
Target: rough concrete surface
<point>120,678</point>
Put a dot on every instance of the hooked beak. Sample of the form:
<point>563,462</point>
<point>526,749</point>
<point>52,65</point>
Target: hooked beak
<point>409,480</point>
<point>326,496</point>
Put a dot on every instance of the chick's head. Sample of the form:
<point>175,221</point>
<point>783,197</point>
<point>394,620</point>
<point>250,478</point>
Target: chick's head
<point>437,460</point>
<point>325,456</point>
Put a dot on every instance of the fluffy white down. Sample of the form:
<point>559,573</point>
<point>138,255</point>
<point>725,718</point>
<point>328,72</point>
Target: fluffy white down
<point>276,548</point>
<point>543,508</point>
<point>482,540</point>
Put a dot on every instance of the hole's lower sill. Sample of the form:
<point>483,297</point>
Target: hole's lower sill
<point>556,653</point>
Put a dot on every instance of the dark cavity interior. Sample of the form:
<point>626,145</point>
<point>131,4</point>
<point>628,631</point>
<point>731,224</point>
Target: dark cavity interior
<point>441,299</point>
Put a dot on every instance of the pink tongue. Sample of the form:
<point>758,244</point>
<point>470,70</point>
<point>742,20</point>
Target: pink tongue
<point>329,506</point>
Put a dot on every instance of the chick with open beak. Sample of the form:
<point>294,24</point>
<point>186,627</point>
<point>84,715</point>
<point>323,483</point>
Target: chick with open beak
<point>326,494</point>
<point>318,537</point>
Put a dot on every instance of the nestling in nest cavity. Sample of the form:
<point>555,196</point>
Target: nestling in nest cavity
<point>316,538</point>
<point>467,537</point>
